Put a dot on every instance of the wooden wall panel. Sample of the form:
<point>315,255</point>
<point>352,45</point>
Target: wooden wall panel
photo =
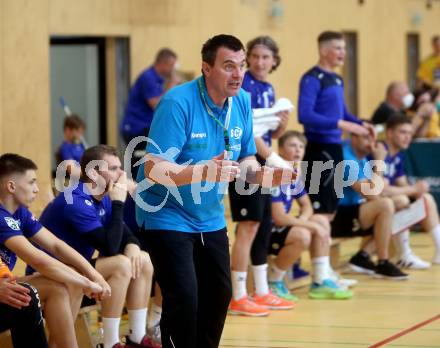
<point>1,71</point>
<point>25,92</point>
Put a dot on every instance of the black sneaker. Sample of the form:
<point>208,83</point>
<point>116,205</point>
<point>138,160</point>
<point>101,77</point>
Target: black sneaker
<point>361,263</point>
<point>386,269</point>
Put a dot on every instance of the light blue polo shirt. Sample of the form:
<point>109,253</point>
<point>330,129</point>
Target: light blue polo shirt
<point>352,197</point>
<point>183,132</point>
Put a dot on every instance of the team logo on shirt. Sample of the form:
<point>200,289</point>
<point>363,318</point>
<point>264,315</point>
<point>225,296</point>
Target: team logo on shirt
<point>275,191</point>
<point>12,223</point>
<point>101,212</point>
<point>88,202</point>
<point>236,133</point>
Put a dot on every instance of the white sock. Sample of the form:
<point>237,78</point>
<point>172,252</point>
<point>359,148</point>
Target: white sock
<point>276,274</point>
<point>401,243</point>
<point>111,331</point>
<point>260,279</point>
<point>137,324</point>
<point>155,315</point>
<point>321,268</point>
<point>435,232</point>
<point>238,284</point>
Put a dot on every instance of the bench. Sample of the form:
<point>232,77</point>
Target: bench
<point>335,251</point>
<point>5,339</point>
<point>82,329</point>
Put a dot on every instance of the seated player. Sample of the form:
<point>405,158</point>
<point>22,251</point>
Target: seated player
<point>93,220</point>
<point>398,137</point>
<point>363,212</point>
<point>60,284</point>
<point>292,235</point>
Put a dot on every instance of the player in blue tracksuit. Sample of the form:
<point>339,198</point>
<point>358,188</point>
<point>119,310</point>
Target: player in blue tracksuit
<point>324,115</point>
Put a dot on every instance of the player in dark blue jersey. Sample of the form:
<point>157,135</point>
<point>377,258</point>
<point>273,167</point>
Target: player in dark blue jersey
<point>291,235</point>
<point>92,219</point>
<point>399,133</point>
<point>59,284</point>
<point>250,211</point>
<point>324,115</point>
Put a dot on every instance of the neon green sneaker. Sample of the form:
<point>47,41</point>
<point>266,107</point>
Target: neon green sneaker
<point>329,290</point>
<point>279,288</point>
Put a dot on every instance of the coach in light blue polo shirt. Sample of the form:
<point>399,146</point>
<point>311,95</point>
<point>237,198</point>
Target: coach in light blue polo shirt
<point>199,131</point>
<point>181,122</point>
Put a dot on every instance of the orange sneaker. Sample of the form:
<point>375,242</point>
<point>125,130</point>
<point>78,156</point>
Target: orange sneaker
<point>271,301</point>
<point>245,306</point>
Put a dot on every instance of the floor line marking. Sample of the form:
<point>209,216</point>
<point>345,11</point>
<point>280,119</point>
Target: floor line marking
<point>404,332</point>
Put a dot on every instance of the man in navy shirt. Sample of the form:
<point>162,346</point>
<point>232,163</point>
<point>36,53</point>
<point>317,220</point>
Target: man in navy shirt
<point>199,130</point>
<point>144,96</point>
<point>399,133</point>
<point>324,115</point>
<point>59,284</point>
<point>93,220</point>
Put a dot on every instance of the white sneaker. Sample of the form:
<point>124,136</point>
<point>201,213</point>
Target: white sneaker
<point>348,283</point>
<point>342,282</point>
<point>412,261</point>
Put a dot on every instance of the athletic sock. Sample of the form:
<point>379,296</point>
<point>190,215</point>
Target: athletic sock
<point>111,331</point>
<point>401,243</point>
<point>260,279</point>
<point>435,232</point>
<point>276,274</point>
<point>321,269</point>
<point>238,284</point>
<point>155,315</point>
<point>137,322</point>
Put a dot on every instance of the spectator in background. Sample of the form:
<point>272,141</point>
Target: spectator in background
<point>399,99</point>
<point>426,94</point>
<point>324,115</point>
<point>428,73</point>
<point>145,94</point>
<point>72,147</point>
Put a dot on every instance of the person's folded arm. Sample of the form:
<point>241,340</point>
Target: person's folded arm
<point>309,89</point>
